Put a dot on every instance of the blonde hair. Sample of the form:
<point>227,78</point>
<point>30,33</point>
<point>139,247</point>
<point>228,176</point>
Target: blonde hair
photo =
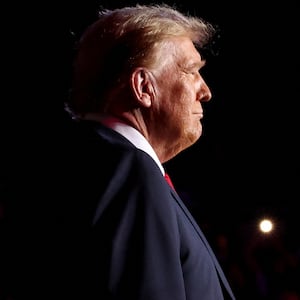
<point>122,39</point>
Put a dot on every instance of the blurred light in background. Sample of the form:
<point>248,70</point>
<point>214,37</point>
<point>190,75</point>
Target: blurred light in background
<point>266,225</point>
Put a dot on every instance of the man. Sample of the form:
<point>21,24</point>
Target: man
<point>116,229</point>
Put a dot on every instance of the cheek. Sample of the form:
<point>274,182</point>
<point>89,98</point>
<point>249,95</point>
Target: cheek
<point>176,96</point>
<point>179,102</point>
<point>183,97</point>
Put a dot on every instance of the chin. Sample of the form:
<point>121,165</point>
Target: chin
<point>198,132</point>
<point>194,137</point>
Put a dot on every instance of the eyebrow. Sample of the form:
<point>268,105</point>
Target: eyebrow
<point>197,65</point>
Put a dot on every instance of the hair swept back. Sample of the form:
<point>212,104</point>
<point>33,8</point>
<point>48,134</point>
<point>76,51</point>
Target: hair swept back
<point>120,40</point>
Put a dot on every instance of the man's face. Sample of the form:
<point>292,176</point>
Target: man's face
<point>180,91</point>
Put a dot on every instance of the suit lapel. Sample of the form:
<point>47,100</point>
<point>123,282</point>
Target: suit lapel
<point>205,242</point>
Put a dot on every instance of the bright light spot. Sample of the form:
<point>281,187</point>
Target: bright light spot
<point>266,225</point>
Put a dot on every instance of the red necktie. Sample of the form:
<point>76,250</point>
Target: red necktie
<point>169,181</point>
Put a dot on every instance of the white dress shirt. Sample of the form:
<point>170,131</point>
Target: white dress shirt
<point>130,133</point>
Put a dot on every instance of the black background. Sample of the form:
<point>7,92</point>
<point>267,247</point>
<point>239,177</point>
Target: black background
<point>245,166</point>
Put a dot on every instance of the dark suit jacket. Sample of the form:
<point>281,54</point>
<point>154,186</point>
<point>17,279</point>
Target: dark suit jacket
<point>106,225</point>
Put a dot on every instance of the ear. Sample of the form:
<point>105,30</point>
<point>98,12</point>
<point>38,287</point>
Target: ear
<point>142,86</point>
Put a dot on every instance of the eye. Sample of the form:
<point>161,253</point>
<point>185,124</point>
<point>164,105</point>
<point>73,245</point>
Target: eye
<point>196,73</point>
<point>192,71</point>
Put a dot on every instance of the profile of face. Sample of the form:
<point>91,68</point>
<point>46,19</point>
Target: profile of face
<point>180,91</point>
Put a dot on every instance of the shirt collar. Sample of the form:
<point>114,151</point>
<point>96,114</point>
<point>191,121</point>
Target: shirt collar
<point>130,133</point>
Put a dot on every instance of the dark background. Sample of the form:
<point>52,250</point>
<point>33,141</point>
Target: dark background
<point>245,166</point>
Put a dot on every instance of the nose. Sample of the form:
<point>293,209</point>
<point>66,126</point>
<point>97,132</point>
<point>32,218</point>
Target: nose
<point>205,93</point>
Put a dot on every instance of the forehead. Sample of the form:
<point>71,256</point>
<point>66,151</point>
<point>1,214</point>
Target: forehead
<point>181,50</point>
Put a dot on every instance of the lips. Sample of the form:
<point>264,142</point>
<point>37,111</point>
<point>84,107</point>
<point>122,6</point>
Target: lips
<point>199,114</point>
